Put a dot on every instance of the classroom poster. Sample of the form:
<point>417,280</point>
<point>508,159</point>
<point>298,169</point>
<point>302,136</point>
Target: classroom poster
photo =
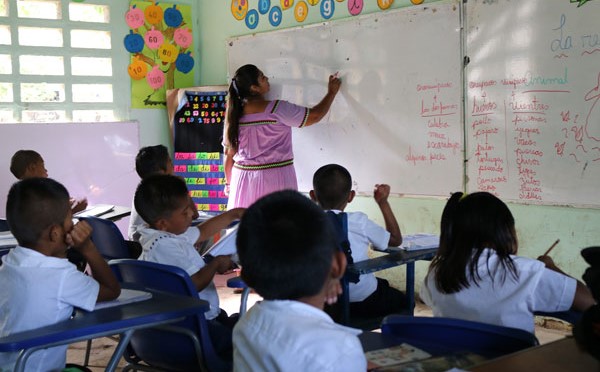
<point>197,132</point>
<point>160,42</point>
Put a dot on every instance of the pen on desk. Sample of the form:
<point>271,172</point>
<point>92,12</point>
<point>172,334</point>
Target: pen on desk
<point>552,247</point>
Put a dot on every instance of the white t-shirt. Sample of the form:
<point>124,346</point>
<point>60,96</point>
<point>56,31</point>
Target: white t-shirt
<point>178,250</point>
<point>362,232</point>
<point>509,304</point>
<point>293,336</point>
<point>36,291</point>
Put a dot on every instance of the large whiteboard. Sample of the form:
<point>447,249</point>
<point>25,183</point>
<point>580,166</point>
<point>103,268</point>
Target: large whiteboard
<point>92,160</point>
<point>397,119</point>
<point>533,123</point>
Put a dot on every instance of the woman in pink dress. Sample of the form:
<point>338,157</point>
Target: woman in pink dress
<point>258,136</point>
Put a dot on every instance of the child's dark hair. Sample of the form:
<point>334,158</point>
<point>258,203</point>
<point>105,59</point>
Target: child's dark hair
<point>158,195</point>
<point>286,245</point>
<point>239,90</point>
<point>151,160</point>
<point>23,159</point>
<point>332,184</point>
<point>470,223</point>
<point>33,205</point>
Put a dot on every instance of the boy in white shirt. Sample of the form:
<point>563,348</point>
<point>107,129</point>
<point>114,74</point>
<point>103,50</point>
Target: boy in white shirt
<point>39,285</point>
<point>163,201</point>
<point>148,161</point>
<point>288,253</point>
<point>332,190</point>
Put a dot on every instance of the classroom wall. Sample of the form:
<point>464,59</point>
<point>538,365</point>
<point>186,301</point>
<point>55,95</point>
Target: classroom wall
<point>537,226</point>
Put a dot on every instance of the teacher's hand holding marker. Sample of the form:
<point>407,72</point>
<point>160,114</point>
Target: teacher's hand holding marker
<point>257,138</point>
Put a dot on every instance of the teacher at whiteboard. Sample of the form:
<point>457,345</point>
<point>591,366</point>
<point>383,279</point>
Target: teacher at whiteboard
<point>257,137</point>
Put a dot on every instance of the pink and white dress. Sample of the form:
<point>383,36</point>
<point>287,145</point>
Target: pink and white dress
<point>264,162</point>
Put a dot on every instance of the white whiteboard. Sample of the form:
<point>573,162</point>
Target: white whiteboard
<point>533,123</point>
<point>93,160</point>
<point>397,118</point>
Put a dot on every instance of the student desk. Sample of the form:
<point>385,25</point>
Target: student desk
<point>561,355</point>
<point>162,308</point>
<point>395,257</point>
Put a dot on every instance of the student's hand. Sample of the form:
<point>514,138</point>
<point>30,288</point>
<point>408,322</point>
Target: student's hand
<point>334,84</point>
<point>381,193</point>
<point>334,289</point>
<point>549,262</point>
<point>79,237</point>
<point>78,205</point>
<point>223,264</point>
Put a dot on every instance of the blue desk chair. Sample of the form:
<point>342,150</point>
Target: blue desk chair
<point>442,336</point>
<point>108,239</point>
<point>183,346</point>
<point>3,225</point>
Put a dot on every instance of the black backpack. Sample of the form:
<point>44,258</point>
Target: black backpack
<point>339,221</point>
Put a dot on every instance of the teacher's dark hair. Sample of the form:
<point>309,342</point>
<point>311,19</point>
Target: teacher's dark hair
<point>471,223</point>
<point>239,89</point>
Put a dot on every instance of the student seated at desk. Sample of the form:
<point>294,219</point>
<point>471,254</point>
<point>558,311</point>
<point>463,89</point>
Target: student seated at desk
<point>151,160</point>
<point>164,202</point>
<point>476,274</point>
<point>28,163</point>
<point>371,296</point>
<point>289,256</point>
<point>39,286</point>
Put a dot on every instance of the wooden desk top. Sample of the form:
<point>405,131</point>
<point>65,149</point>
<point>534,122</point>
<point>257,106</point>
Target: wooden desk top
<point>559,356</point>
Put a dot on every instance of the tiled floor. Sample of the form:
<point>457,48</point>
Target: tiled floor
<point>546,330</point>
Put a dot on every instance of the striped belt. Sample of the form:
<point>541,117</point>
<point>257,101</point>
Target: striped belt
<point>265,166</point>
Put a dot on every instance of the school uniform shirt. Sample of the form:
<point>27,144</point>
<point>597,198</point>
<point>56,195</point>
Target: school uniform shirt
<point>293,336</point>
<point>509,304</point>
<point>178,250</point>
<point>136,222</point>
<point>36,291</point>
<point>362,232</point>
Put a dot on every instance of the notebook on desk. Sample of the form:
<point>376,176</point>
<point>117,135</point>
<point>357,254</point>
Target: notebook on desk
<point>127,296</point>
<point>95,210</point>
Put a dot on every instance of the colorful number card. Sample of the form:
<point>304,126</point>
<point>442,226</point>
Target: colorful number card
<point>198,130</point>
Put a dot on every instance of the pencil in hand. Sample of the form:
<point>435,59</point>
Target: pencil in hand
<point>552,247</point>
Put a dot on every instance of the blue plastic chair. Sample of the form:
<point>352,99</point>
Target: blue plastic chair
<point>4,225</point>
<point>443,336</point>
<point>183,346</point>
<point>108,238</point>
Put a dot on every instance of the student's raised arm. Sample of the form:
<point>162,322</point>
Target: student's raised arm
<point>583,297</point>
<point>79,238</point>
<point>318,112</point>
<point>381,194</point>
<point>216,224</point>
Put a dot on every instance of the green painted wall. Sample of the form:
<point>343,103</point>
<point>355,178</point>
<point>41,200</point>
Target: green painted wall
<point>537,226</point>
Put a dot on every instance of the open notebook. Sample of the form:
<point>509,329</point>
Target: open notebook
<point>416,242</point>
<point>127,296</point>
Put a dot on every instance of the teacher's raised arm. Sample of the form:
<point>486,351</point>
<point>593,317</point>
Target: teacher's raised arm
<point>257,138</point>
